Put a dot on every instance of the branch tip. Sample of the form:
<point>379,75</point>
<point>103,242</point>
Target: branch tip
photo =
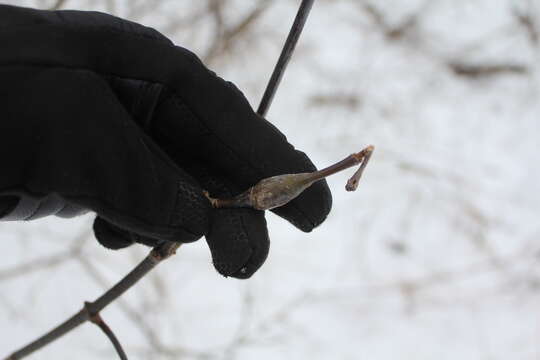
<point>363,157</point>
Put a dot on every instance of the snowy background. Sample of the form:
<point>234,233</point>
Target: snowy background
<point>436,256</point>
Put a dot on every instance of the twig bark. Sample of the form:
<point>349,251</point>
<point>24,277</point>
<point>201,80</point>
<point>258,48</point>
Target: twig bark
<point>98,320</point>
<point>286,54</point>
<point>91,309</point>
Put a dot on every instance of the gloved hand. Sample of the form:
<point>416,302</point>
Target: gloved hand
<point>102,114</point>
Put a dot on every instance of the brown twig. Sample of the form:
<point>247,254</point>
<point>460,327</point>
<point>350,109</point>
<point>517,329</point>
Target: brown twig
<point>275,191</point>
<point>364,157</point>
<point>98,320</point>
<point>157,255</point>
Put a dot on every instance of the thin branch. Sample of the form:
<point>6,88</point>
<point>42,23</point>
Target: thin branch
<point>285,56</point>
<point>157,255</point>
<point>136,317</point>
<point>98,320</point>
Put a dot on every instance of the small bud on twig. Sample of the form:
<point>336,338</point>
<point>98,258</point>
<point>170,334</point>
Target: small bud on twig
<point>278,190</point>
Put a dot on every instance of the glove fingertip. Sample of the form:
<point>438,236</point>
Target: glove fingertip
<point>256,260</point>
<point>239,243</point>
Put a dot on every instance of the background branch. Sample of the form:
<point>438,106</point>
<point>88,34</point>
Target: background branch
<point>58,4</point>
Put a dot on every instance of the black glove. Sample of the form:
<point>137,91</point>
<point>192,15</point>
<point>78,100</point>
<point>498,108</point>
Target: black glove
<point>102,114</point>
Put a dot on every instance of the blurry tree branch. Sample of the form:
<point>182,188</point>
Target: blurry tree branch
<point>526,19</point>
<point>528,23</point>
<point>477,71</point>
<point>460,68</point>
<point>391,32</point>
<point>37,264</point>
<point>47,261</point>
<point>58,4</point>
<point>226,34</point>
<point>347,100</point>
